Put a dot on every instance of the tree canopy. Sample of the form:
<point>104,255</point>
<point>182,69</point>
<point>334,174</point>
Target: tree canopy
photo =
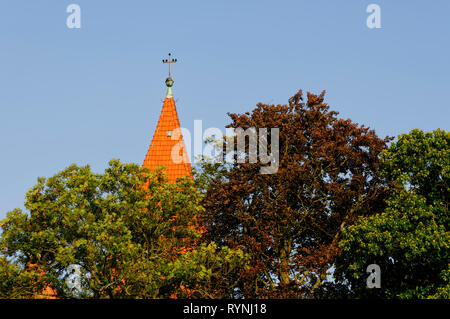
<point>410,239</point>
<point>131,233</point>
<point>289,222</point>
<point>341,198</point>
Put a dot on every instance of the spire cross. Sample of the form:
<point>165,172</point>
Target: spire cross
<point>169,60</point>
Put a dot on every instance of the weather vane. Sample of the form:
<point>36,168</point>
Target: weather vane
<point>169,60</point>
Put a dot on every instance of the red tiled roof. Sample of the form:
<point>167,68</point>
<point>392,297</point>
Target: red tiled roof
<point>163,145</point>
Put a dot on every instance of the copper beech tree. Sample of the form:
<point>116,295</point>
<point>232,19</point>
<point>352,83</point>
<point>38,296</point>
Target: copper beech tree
<point>289,222</point>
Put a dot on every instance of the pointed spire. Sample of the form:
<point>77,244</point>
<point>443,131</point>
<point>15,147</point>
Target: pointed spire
<point>167,146</point>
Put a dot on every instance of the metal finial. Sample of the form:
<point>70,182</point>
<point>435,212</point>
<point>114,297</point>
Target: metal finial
<point>169,80</point>
<point>169,61</point>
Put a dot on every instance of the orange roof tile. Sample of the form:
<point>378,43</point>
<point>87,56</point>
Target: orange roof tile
<point>167,147</point>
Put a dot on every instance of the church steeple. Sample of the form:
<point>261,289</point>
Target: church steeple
<point>167,146</point>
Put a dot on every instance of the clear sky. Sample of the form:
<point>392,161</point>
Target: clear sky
<point>88,95</point>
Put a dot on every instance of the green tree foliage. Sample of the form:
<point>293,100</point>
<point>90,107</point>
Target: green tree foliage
<point>410,239</point>
<point>133,235</point>
<point>289,222</point>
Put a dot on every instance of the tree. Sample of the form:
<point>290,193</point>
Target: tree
<point>131,233</point>
<point>289,222</point>
<point>410,239</point>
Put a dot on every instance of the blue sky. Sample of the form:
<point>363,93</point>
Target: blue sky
<point>88,95</point>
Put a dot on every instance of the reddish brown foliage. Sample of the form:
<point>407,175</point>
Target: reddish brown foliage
<point>289,222</point>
